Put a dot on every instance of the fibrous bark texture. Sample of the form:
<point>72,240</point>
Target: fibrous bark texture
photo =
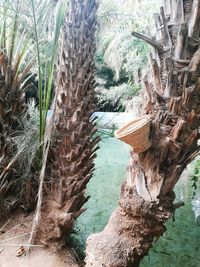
<point>74,145</point>
<point>12,110</point>
<point>172,94</point>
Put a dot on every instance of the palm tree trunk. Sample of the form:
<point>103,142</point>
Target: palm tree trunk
<point>173,103</point>
<point>12,110</point>
<point>74,145</point>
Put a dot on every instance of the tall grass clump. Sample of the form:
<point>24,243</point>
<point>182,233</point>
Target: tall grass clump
<point>46,51</point>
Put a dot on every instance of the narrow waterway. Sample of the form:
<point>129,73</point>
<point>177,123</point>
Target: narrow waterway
<point>179,247</point>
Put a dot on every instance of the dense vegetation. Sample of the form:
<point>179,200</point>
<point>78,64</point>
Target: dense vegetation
<point>120,57</point>
<point>195,177</point>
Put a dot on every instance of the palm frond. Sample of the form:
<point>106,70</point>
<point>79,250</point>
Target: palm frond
<point>116,43</point>
<point>112,56</point>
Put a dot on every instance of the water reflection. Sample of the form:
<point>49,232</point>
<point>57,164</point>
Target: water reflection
<point>180,245</point>
<point>196,209</point>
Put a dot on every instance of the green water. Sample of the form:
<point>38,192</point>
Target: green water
<point>179,247</point>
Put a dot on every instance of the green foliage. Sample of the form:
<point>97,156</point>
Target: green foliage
<point>120,49</point>
<point>106,76</point>
<point>29,34</point>
<point>15,41</point>
<point>119,54</point>
<point>134,89</point>
<point>195,178</point>
<point>135,56</point>
<point>103,71</point>
<point>114,98</point>
<point>45,57</point>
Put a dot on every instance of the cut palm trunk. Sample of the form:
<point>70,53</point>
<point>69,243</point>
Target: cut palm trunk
<point>173,103</point>
<point>72,152</point>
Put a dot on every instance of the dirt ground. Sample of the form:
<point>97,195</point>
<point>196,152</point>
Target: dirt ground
<point>37,258</point>
<point>14,235</point>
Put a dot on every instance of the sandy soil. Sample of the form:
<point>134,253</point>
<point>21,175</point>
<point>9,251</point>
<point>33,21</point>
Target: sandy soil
<point>16,233</point>
<point>37,258</point>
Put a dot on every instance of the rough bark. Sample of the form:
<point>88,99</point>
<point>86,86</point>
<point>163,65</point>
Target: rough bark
<point>173,102</point>
<point>12,106</point>
<point>74,145</point>
<point>12,109</point>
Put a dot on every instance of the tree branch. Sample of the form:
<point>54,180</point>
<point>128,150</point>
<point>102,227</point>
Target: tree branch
<point>148,41</point>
